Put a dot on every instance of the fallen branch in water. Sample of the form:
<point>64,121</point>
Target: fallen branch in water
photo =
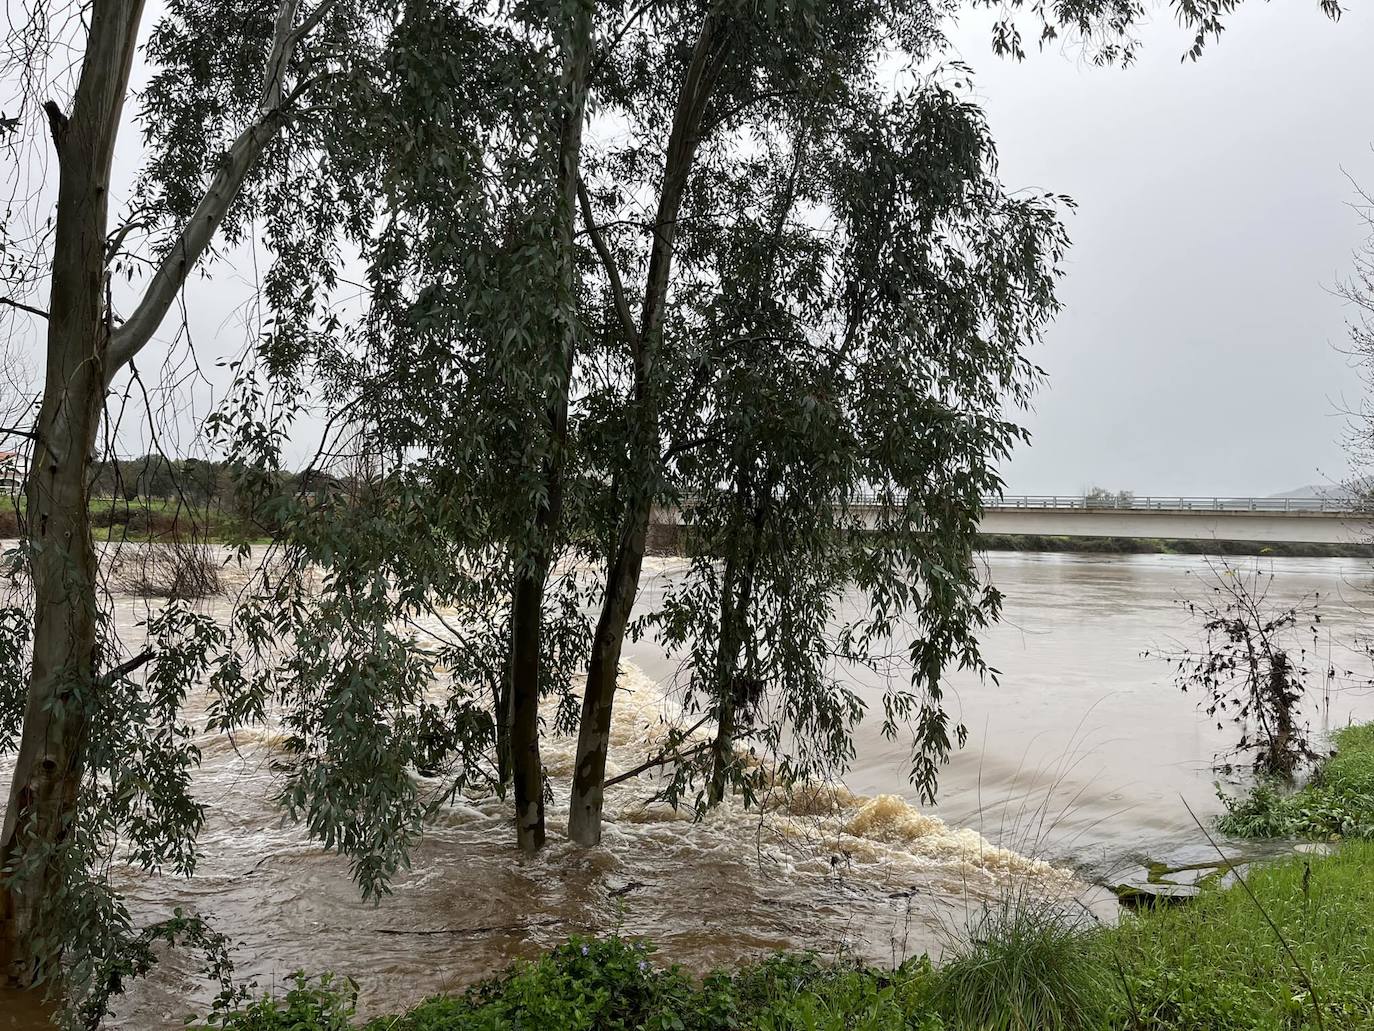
<point>659,760</point>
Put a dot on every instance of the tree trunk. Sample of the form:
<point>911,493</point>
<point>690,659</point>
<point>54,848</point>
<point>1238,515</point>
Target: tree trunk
<point>83,353</point>
<point>501,705</point>
<point>598,699</point>
<point>734,612</point>
<point>61,694</point>
<point>527,603</point>
<point>737,595</point>
<point>526,767</point>
<point>622,581</point>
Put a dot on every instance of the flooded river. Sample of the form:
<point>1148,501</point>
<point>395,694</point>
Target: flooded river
<point>1079,764</point>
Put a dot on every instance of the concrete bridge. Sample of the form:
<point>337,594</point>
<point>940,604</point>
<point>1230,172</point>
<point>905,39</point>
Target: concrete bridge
<point>1267,520</point>
<point>1274,520</point>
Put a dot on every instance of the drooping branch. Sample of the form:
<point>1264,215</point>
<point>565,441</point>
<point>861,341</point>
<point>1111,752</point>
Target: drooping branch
<point>224,187</point>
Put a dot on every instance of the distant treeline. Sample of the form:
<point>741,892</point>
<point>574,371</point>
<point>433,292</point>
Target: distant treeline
<point>195,481</point>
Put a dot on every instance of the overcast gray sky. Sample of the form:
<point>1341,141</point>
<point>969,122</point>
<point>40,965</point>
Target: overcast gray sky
<point>1197,352</point>
<point>1198,349</point>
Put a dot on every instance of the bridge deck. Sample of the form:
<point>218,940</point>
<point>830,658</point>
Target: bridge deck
<point>1269,520</point>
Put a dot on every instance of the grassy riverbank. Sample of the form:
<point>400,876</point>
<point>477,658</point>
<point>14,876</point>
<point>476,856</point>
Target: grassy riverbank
<point>1216,964</point>
<point>152,519</point>
<point>668,540</point>
<point>1337,802</point>
<point>147,519</point>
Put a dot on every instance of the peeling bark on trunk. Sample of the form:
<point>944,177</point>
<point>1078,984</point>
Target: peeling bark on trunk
<point>48,769</point>
<point>622,581</point>
<point>527,603</point>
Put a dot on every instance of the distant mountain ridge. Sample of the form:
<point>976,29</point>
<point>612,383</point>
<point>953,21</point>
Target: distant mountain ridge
<point>1333,491</point>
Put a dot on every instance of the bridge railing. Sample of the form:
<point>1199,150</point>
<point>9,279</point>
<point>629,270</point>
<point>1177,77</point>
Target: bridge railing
<point>1148,503</point>
<point>1157,503</point>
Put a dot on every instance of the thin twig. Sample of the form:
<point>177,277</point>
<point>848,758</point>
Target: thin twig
<point>622,306</point>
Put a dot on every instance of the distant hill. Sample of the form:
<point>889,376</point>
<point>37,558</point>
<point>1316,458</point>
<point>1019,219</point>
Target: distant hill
<point>1334,491</point>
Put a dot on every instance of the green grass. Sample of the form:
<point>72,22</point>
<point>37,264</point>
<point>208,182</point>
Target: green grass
<point>1025,965</point>
<point>1217,964</point>
<point>145,519</point>
<point>1337,803</point>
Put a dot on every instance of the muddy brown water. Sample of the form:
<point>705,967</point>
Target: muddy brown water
<point>1078,767</point>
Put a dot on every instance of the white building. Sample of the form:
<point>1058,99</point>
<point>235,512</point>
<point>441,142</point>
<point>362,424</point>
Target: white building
<point>11,473</point>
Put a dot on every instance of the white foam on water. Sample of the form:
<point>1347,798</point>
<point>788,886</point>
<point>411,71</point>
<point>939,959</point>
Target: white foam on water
<point>807,826</point>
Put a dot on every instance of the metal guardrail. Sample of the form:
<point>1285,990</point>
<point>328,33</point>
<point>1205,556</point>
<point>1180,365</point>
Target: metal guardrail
<point>1153,503</point>
<point>1146,503</point>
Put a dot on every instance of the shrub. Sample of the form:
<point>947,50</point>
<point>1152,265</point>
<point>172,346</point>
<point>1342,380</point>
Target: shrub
<point>177,568</point>
<point>1249,668</point>
<point>804,991</point>
<point>1338,802</point>
<point>1026,965</point>
<point>584,985</point>
<point>322,1004</point>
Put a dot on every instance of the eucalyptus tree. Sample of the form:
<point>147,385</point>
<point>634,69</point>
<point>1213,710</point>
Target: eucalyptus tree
<point>469,133</point>
<point>700,84</point>
<point>100,757</point>
<point>833,453</point>
<point>711,77</point>
<point>551,363</point>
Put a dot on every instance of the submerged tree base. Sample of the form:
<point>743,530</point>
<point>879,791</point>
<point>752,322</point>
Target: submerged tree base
<point>1337,802</point>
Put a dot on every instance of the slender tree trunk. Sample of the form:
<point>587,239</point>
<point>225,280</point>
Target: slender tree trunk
<point>727,651</point>
<point>527,603</point>
<point>598,699</point>
<point>622,580</point>
<point>501,705</point>
<point>735,602</point>
<point>48,771</point>
<point>527,769</point>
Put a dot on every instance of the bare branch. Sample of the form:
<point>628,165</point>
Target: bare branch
<point>23,307</point>
<point>57,122</point>
<point>117,238</point>
<point>200,229</point>
<point>128,666</point>
<point>614,42</point>
<point>622,308</point>
<point>662,759</point>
